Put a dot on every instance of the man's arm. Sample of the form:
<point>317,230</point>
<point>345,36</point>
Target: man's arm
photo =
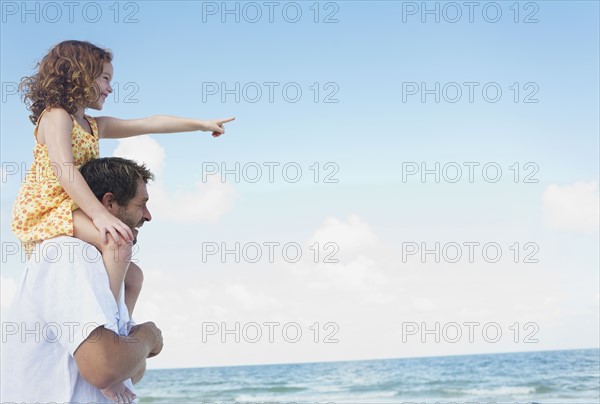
<point>139,373</point>
<point>104,358</point>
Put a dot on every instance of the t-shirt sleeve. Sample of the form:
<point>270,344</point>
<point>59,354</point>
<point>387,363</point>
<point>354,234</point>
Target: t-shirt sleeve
<point>72,287</point>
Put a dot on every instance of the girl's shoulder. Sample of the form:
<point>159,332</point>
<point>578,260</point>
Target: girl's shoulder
<point>55,114</point>
<point>57,117</point>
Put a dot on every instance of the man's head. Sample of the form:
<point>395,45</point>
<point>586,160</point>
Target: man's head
<point>120,185</point>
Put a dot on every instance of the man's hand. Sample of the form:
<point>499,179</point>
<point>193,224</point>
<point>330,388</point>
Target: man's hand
<point>154,334</point>
<point>106,358</point>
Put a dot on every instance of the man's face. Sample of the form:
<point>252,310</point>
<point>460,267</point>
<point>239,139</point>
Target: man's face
<point>135,213</point>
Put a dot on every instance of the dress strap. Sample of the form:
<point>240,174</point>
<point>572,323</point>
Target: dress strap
<point>93,125</point>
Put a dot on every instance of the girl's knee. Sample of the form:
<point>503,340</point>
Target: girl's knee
<point>134,277</point>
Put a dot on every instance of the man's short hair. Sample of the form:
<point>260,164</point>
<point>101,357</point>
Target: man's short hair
<point>116,175</point>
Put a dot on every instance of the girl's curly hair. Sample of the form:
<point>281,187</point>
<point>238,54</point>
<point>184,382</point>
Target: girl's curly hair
<point>65,78</point>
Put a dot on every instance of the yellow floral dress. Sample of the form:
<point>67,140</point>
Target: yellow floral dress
<point>43,209</point>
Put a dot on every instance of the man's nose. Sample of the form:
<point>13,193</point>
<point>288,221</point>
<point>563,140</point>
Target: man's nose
<point>147,215</point>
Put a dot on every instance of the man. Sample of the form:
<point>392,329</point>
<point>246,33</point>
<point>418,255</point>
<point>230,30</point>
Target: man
<point>66,337</point>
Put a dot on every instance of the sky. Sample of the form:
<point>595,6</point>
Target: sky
<point>402,178</point>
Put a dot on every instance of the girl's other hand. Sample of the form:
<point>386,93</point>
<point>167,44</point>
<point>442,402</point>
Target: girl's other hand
<point>120,232</point>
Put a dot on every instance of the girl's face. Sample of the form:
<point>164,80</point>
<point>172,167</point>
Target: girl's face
<point>103,83</point>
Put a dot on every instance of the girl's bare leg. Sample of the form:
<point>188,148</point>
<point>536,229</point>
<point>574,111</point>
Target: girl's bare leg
<point>116,257</point>
<point>133,285</point>
<point>119,393</point>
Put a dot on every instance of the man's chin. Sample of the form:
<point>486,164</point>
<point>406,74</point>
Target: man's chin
<point>135,234</point>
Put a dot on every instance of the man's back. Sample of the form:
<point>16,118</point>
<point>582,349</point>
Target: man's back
<point>63,296</point>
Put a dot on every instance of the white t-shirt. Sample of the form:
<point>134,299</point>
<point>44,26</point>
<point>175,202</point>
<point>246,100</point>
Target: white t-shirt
<point>64,295</point>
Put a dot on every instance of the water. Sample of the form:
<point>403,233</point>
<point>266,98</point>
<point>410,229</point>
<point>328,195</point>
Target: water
<point>559,377</point>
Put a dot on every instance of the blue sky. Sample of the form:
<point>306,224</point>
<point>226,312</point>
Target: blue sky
<point>163,61</point>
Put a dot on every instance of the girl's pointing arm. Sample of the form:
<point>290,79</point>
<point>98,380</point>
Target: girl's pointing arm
<point>115,128</point>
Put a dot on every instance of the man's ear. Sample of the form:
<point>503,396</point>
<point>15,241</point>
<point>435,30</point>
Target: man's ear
<point>109,202</point>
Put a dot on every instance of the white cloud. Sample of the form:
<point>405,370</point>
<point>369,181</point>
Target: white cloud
<point>358,275</point>
<point>205,202</point>
<point>358,252</point>
<point>304,293</point>
<point>424,304</point>
<point>249,300</point>
<point>142,149</point>
<point>572,207</point>
<point>352,236</point>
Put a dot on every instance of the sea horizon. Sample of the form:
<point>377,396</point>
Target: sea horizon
<point>374,359</point>
<point>569,376</point>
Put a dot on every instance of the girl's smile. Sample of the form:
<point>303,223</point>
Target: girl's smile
<point>103,83</point>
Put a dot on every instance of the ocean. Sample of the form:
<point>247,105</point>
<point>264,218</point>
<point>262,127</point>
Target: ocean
<point>561,377</point>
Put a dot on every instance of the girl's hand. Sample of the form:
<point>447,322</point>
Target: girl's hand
<point>107,223</point>
<point>215,126</point>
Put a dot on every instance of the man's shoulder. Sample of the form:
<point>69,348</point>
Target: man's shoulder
<point>67,240</point>
<point>65,248</point>
<point>65,252</point>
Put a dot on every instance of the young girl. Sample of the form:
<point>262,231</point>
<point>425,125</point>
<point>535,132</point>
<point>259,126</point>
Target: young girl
<point>73,76</point>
